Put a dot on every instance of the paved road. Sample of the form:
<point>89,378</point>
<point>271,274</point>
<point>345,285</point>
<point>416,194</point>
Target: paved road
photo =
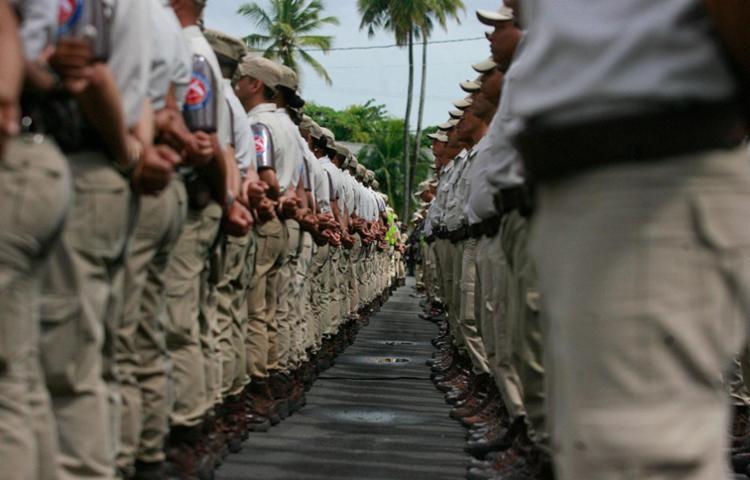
<point>371,417</point>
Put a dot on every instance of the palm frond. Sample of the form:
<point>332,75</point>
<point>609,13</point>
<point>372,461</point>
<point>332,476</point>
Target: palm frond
<point>316,66</point>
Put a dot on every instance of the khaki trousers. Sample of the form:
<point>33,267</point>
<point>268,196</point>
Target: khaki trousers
<point>468,322</point>
<point>186,281</point>
<point>496,328</point>
<point>303,337</point>
<point>644,272</point>
<point>141,354</point>
<point>523,312</point>
<point>35,194</point>
<point>286,310</point>
<point>445,276</point>
<point>319,295</point>
<point>261,341</point>
<point>82,295</point>
<point>334,281</point>
<point>354,273</point>
<point>231,313</point>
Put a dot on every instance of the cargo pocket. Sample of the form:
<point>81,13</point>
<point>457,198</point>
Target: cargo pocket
<point>60,343</point>
<point>98,223</point>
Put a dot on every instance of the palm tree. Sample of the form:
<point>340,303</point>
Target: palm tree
<point>438,11</point>
<point>401,18</point>
<point>288,28</point>
<point>408,20</point>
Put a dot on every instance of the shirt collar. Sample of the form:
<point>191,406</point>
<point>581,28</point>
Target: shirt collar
<point>261,108</point>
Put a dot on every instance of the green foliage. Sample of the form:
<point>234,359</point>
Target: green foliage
<point>287,28</point>
<point>356,123</point>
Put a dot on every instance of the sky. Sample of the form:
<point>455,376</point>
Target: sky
<point>379,74</point>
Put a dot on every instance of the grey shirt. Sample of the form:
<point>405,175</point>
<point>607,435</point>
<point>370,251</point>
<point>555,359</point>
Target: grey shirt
<point>586,60</point>
<point>242,138</point>
<point>130,61</point>
<point>171,59</point>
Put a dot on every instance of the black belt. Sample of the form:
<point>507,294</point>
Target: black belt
<point>442,233</point>
<point>551,152</point>
<point>459,235</point>
<point>519,198</point>
<point>486,228</point>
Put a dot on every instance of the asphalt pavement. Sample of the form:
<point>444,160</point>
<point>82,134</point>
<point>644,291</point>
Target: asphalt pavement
<point>374,416</point>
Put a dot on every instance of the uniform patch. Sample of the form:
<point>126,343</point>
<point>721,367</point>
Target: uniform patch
<point>198,93</point>
<point>260,144</point>
<point>68,14</point>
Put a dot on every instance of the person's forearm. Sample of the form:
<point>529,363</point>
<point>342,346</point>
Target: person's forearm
<point>233,178</point>
<point>11,55</point>
<point>102,105</point>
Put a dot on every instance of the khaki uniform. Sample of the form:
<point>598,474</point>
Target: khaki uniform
<point>36,194</point>
<point>140,350</point>
<point>271,241</point>
<point>142,357</point>
<point>186,281</point>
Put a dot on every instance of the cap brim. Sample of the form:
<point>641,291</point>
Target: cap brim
<point>490,18</point>
<point>470,86</point>
<point>456,113</point>
<point>484,66</point>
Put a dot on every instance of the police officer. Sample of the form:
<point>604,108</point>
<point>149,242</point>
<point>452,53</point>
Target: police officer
<point>193,271</point>
<point>278,166</point>
<point>31,225</point>
<point>618,281</point>
<point>140,350</point>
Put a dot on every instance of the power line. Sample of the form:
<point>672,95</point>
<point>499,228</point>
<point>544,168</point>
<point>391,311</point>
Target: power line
<point>393,45</point>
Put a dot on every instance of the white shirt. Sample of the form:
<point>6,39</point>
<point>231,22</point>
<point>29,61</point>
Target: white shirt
<point>38,24</point>
<point>285,150</point>
<point>319,180</point>
<point>242,137</point>
<point>336,181</point>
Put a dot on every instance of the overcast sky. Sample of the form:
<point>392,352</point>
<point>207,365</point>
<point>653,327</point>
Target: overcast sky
<point>380,74</point>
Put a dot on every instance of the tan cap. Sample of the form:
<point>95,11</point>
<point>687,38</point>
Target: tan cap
<point>448,125</point>
<point>306,123</point>
<point>438,137</point>
<point>289,78</point>
<point>484,66</point>
<point>353,163</point>
<point>262,69</point>
<point>464,103</point>
<point>225,45</point>
<point>370,176</point>
<point>471,86</point>
<point>456,113</point>
<point>328,136</point>
<point>375,184</point>
<point>361,172</point>
<point>342,150</point>
<point>491,17</point>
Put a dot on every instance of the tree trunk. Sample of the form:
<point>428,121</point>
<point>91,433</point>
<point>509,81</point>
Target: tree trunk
<point>420,115</point>
<point>409,99</point>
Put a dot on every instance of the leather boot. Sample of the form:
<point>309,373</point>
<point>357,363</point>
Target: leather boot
<point>260,401</point>
<point>279,385</point>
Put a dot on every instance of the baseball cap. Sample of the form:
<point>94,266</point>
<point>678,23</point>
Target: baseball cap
<point>456,114</point>
<point>484,66</point>
<point>438,137</point>
<point>471,86</point>
<point>262,69</point>
<point>463,103</point>
<point>225,45</point>
<point>491,17</point>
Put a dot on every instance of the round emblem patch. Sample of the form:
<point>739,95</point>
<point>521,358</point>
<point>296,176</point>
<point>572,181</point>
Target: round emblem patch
<point>199,92</point>
<point>260,144</point>
<point>68,14</point>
